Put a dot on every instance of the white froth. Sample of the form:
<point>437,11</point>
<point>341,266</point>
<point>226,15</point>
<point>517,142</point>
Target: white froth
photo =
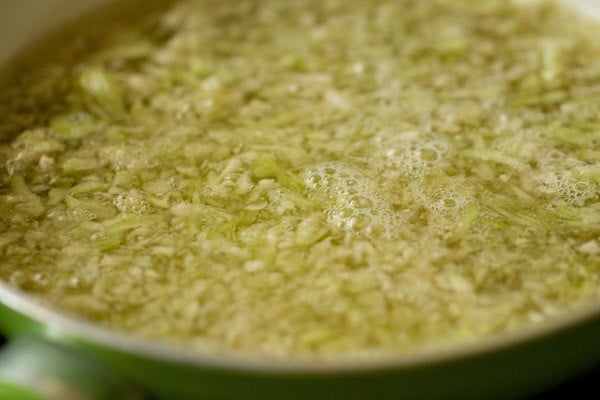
<point>411,153</point>
<point>558,179</point>
<point>447,200</point>
<point>356,203</point>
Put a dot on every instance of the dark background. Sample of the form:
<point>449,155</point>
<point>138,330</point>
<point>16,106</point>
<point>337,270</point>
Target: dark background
<point>585,386</point>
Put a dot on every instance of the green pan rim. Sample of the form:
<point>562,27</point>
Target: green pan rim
<point>61,325</point>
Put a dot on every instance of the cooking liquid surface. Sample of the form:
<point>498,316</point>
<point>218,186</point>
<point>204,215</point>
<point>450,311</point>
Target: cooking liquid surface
<point>331,178</point>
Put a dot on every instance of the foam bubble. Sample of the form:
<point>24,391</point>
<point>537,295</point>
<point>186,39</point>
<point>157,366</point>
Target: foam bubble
<point>447,200</point>
<point>355,201</point>
<point>132,201</point>
<point>556,179</point>
<point>410,153</point>
<point>566,188</point>
<point>577,192</point>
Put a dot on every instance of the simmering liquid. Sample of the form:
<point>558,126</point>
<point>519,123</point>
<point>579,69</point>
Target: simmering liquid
<point>332,177</point>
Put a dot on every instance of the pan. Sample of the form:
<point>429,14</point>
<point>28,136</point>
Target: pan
<point>53,355</point>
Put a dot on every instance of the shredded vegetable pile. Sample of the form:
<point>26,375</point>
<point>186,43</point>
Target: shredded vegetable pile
<point>328,177</point>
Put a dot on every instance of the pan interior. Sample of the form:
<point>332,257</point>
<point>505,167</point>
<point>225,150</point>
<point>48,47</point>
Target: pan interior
<point>202,183</point>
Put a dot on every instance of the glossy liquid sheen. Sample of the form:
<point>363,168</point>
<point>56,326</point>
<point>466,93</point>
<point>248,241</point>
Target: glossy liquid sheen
<point>333,178</point>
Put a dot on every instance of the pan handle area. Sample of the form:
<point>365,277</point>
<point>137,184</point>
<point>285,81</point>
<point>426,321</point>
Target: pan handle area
<point>34,369</point>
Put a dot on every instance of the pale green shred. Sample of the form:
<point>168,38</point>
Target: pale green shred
<point>310,177</point>
<point>102,93</point>
<point>266,166</point>
<point>23,200</point>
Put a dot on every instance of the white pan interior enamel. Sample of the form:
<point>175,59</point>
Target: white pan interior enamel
<point>21,21</point>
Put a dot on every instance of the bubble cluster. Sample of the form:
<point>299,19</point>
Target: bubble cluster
<point>410,153</point>
<point>557,179</point>
<point>132,201</point>
<point>355,202</point>
<point>577,193</point>
<point>445,199</point>
<point>565,188</point>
